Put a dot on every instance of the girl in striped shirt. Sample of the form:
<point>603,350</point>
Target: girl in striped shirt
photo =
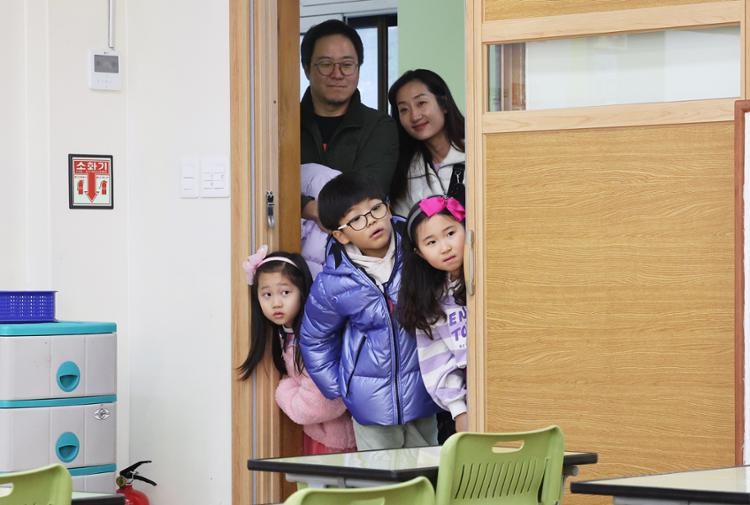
<point>432,300</point>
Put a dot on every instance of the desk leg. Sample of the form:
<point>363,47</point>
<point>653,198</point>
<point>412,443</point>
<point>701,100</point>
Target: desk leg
<point>568,471</point>
<point>314,481</point>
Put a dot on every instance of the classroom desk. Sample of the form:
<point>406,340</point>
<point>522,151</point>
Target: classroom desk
<point>373,468</point>
<point>717,486</point>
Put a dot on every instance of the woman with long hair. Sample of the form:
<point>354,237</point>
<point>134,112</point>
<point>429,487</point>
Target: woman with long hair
<point>431,140</point>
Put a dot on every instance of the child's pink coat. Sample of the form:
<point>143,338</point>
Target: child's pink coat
<point>325,421</point>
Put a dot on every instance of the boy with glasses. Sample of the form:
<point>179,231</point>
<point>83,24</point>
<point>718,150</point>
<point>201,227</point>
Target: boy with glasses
<point>336,129</point>
<point>351,342</point>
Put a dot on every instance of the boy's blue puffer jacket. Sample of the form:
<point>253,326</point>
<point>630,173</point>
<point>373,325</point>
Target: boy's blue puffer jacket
<point>354,348</point>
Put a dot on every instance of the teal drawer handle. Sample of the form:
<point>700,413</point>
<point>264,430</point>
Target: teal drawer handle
<point>68,376</point>
<point>67,447</point>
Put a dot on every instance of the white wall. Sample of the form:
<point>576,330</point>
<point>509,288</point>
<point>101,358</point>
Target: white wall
<point>178,95</point>
<point>157,265</point>
<point>24,94</point>
<point>12,126</point>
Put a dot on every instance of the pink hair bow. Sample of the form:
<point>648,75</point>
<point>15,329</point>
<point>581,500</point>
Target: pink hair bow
<point>434,204</point>
<point>251,264</point>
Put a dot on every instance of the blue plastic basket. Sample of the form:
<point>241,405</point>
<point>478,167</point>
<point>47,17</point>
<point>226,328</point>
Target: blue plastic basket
<point>27,306</point>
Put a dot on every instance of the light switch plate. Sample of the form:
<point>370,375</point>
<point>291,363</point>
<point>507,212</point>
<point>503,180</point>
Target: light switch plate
<point>189,182</point>
<point>214,182</point>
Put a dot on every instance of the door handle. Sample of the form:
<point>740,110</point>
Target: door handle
<point>270,218</point>
<point>470,285</point>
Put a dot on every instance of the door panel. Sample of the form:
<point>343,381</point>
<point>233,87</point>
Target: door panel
<point>604,259</point>
<point>264,56</point>
<point>288,179</point>
<point>610,256</point>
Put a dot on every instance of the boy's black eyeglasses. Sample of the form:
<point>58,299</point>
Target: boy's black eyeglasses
<point>325,68</point>
<point>359,223</point>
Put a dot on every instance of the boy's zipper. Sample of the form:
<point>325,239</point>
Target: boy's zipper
<point>395,353</point>
<point>394,333</point>
<point>390,319</point>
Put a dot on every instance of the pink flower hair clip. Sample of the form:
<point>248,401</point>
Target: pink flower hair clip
<point>254,261</point>
<point>251,264</point>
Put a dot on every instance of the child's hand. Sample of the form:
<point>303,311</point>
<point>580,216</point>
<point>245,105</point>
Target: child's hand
<point>311,212</point>
<point>462,422</point>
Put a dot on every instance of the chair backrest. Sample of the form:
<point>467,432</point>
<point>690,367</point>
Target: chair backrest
<point>417,491</point>
<point>474,469</point>
<point>49,485</point>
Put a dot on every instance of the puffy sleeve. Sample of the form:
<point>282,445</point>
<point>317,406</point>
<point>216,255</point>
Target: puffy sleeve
<point>443,365</point>
<point>302,401</point>
<point>321,338</point>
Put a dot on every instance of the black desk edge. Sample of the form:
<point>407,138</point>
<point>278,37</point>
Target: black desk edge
<point>593,487</point>
<point>269,465</point>
<point>347,472</point>
<point>113,499</point>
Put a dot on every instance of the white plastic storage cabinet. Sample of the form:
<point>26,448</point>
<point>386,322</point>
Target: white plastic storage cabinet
<point>58,399</point>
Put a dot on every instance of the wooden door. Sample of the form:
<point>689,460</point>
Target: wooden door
<point>604,256</point>
<point>264,58</point>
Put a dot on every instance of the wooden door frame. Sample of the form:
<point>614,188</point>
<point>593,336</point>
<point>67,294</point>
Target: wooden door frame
<point>742,107</point>
<point>264,136</point>
<point>480,34</point>
<point>239,105</point>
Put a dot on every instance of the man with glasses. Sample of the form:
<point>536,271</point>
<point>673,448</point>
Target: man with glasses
<point>337,129</point>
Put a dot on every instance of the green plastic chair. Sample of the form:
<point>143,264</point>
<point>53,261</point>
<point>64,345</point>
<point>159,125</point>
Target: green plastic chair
<point>417,491</point>
<point>474,470</point>
<point>49,485</point>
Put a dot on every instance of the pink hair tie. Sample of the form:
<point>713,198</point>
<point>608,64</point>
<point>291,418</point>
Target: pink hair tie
<point>434,204</point>
<point>254,261</point>
<point>251,264</point>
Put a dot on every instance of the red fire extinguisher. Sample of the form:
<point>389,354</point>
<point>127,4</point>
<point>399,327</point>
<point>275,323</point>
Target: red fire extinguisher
<point>125,485</point>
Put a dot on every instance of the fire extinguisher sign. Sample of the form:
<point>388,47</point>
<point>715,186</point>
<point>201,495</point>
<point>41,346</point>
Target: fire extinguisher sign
<point>90,181</point>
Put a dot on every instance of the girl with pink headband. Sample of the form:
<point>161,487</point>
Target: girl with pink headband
<point>432,301</point>
<point>280,283</point>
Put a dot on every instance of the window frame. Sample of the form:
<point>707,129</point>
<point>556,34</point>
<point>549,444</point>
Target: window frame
<point>381,22</point>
